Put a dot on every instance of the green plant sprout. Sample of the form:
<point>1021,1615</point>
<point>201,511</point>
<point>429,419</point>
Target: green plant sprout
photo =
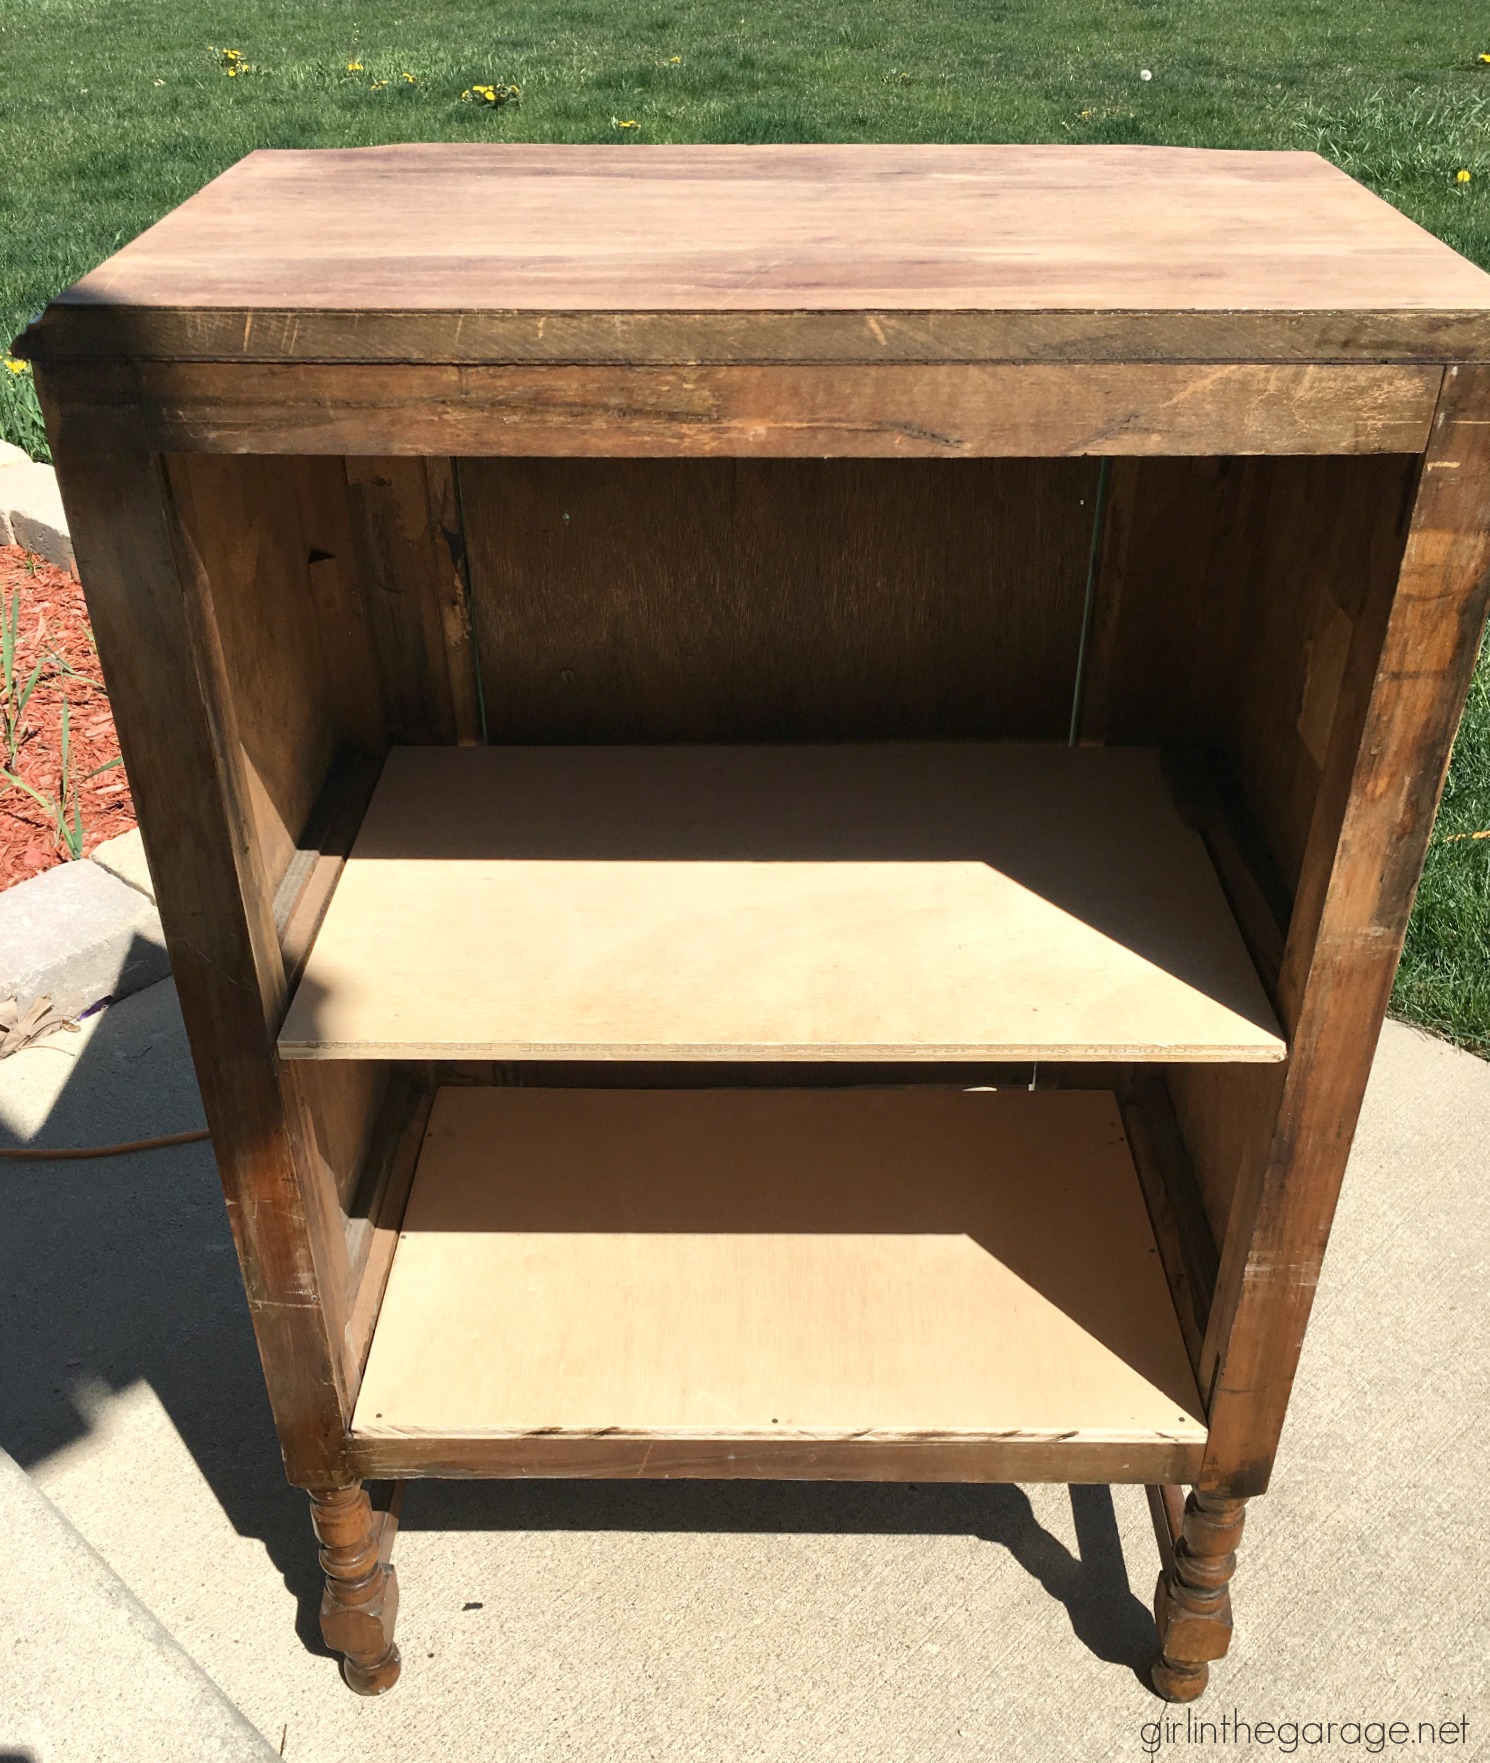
<point>15,696</point>
<point>70,832</point>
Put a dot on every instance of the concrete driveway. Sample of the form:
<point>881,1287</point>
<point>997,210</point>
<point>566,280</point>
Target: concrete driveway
<point>591,1622</point>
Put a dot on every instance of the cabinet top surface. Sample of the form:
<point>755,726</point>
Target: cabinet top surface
<point>980,231</point>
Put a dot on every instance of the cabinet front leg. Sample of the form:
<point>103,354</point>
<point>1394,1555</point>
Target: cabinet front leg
<point>360,1603</point>
<point>1192,1603</point>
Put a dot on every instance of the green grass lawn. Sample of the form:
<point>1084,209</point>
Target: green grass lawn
<point>111,114</point>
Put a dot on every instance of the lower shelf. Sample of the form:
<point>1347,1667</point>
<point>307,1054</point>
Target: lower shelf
<point>851,1284</point>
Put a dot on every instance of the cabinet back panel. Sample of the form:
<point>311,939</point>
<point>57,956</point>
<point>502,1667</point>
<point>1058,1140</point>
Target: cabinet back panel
<point>732,599</point>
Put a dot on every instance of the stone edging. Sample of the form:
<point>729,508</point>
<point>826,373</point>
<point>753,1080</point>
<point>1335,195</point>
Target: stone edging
<point>31,508</point>
<point>83,933</point>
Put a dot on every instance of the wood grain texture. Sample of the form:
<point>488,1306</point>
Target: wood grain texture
<point>807,1265</point>
<point>619,1457</point>
<point>738,600</point>
<point>887,411</point>
<point>243,518</point>
<point>917,901</point>
<point>1237,575</point>
<point>1231,580</point>
<point>1187,1247</point>
<point>776,234</point>
<point>676,339</point>
<point>151,611</point>
<point>407,526</point>
<point>1383,776</point>
<point>359,1604</point>
<point>1192,1602</point>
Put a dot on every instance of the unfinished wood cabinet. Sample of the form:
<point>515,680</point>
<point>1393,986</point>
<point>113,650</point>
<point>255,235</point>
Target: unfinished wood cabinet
<point>785,785</point>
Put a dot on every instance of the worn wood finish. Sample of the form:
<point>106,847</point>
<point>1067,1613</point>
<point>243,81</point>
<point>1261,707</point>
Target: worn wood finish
<point>897,901</point>
<point>353,684</point>
<point>359,1606</point>
<point>1383,777</point>
<point>1167,1510</point>
<point>153,618</point>
<point>826,1265</point>
<point>320,854</point>
<point>1175,1204</point>
<point>882,411</point>
<point>617,1457</point>
<point>737,600</point>
<point>1245,580</point>
<point>242,521</point>
<point>1192,1602</point>
<point>675,339</point>
<point>1241,589</point>
<point>785,444</point>
<point>349,245</point>
<point>377,1213</point>
<point>407,525</point>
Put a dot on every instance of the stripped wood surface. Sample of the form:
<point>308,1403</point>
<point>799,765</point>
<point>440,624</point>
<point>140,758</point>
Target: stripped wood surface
<point>874,411</point>
<point>1172,248</point>
<point>1403,693</point>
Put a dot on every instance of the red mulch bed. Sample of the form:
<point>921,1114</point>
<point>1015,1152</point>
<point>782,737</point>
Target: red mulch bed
<point>54,629</point>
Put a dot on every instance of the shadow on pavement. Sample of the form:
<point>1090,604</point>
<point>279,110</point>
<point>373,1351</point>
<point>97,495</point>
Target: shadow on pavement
<point>122,1270</point>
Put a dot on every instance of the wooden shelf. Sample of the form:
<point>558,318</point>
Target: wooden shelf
<point>737,1275</point>
<point>914,901</point>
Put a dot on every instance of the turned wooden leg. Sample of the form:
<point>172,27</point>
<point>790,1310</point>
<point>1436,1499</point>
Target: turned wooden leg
<point>1192,1605</point>
<point>360,1603</point>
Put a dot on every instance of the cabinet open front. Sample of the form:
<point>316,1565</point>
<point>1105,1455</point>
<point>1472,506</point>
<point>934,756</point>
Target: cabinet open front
<point>860,1283</point>
<point>937,900</point>
<point>786,622</point>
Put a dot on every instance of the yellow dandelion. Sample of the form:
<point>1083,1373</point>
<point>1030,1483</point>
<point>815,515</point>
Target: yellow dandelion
<point>377,85</point>
<point>410,79</point>
<point>674,60</point>
<point>1485,59</point>
<point>14,366</point>
<point>629,123</point>
<point>1462,176</point>
<point>354,67</point>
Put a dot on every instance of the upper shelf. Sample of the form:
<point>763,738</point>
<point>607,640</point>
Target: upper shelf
<point>898,902</point>
<point>854,253</point>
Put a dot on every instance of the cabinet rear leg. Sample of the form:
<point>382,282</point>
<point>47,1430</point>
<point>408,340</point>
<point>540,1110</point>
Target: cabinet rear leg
<point>360,1604</point>
<point>1192,1603</point>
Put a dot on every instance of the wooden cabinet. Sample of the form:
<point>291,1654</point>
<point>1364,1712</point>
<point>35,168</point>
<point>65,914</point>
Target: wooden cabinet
<point>784,785</point>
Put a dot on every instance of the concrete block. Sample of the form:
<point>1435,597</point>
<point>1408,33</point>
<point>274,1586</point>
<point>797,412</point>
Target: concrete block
<point>33,505</point>
<point>89,1672</point>
<point>125,857</point>
<point>78,935</point>
<point>10,454</point>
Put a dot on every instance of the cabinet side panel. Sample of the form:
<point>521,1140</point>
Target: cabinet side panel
<point>1241,584</point>
<point>161,651</point>
<point>274,539</point>
<point>1401,698</point>
<point>1240,596</point>
<point>716,600</point>
<point>243,518</point>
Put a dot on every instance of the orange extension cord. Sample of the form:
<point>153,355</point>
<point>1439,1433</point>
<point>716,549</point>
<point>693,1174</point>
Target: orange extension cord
<point>26,1154</point>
